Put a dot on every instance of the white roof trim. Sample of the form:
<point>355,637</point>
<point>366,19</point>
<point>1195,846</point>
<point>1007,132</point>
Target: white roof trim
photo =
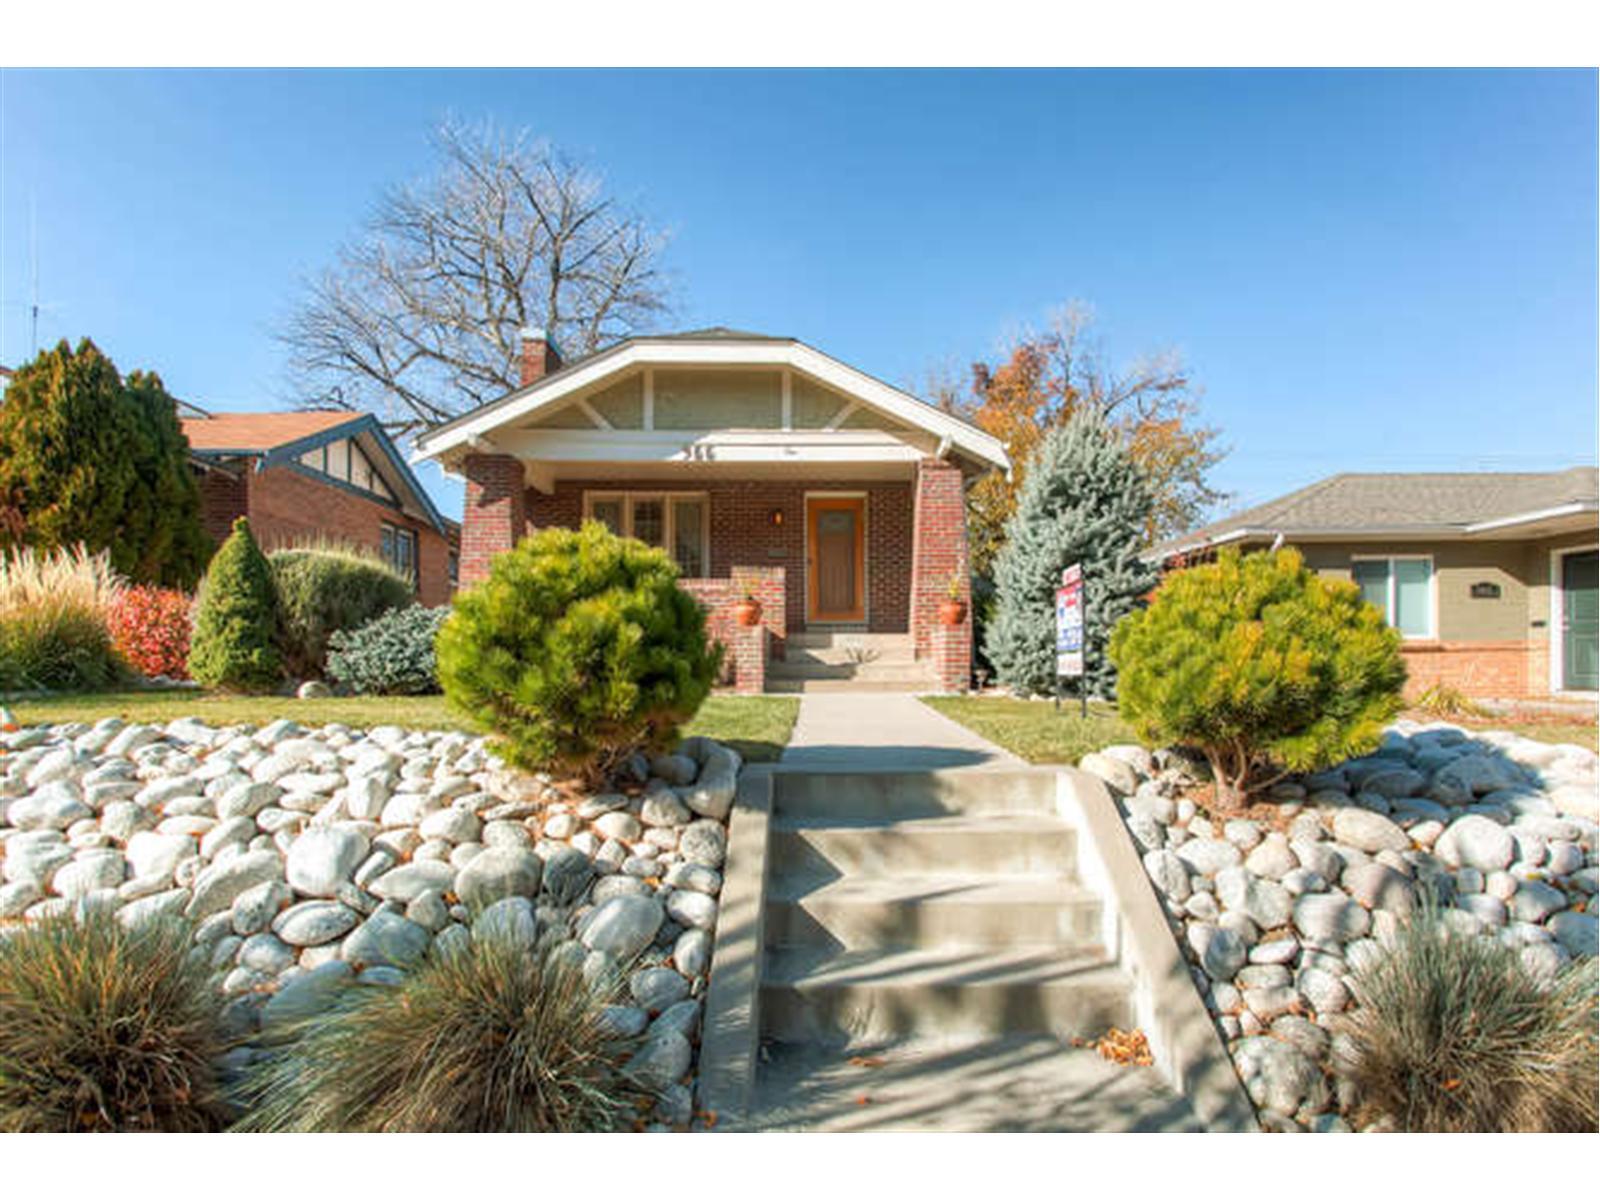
<point>541,395</point>
<point>1572,508</point>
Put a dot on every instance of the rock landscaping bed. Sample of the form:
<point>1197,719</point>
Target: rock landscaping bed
<point>1276,907</point>
<point>314,860</point>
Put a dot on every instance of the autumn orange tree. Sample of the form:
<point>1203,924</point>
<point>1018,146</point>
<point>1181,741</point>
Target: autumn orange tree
<point>1042,381</point>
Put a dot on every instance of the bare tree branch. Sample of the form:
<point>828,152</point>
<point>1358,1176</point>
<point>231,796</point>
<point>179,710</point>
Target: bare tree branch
<point>419,316</point>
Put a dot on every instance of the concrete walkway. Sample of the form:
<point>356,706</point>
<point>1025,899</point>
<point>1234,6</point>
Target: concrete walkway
<point>882,731</point>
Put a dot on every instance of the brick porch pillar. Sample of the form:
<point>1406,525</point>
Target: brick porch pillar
<point>494,517</point>
<point>749,650</point>
<point>939,551</point>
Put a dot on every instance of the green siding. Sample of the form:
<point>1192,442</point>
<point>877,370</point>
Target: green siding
<point>718,399</point>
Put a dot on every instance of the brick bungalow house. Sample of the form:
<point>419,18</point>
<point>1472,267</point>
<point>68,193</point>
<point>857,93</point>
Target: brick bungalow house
<point>766,468</point>
<point>306,475</point>
<point>1490,577</point>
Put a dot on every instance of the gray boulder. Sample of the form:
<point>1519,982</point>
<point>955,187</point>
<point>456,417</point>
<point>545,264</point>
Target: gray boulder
<point>622,926</point>
<point>322,859</point>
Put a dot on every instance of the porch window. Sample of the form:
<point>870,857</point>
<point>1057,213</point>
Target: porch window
<point>1401,588</point>
<point>679,522</point>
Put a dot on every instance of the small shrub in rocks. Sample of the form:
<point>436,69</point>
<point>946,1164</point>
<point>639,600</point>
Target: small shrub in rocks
<point>234,644</point>
<point>391,655</point>
<point>1453,1035</point>
<point>485,1038</point>
<point>150,629</point>
<point>325,588</point>
<point>578,649</point>
<point>104,1028</point>
<point>1258,661</point>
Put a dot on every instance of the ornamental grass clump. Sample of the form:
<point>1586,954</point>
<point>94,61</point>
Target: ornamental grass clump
<point>576,650</point>
<point>1261,665</point>
<point>488,1038</point>
<point>1454,1035</point>
<point>107,1029</point>
<point>54,609</point>
<point>325,587</point>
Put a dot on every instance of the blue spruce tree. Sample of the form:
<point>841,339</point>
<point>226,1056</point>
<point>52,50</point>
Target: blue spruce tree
<point>1085,500</point>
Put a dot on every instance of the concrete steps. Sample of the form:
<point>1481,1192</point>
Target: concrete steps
<point>929,904</point>
<point>835,661</point>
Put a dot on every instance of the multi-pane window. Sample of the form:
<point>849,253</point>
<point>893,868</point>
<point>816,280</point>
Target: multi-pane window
<point>676,521</point>
<point>399,549</point>
<point>1401,589</point>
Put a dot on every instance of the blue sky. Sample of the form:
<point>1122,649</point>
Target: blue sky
<point>1366,270</point>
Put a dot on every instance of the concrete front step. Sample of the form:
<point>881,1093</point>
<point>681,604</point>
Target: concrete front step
<point>863,912</point>
<point>813,995</point>
<point>1017,844</point>
<point>779,685</point>
<point>961,1085</point>
<point>868,797</point>
<point>846,639</point>
<point>889,672</point>
<point>902,654</point>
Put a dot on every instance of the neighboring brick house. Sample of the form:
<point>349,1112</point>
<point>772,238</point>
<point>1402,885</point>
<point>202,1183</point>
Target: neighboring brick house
<point>764,467</point>
<point>336,475</point>
<point>1490,577</point>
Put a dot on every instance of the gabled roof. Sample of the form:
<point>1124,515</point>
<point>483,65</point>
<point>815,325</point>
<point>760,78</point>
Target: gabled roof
<point>718,345</point>
<point>1457,504</point>
<point>279,439</point>
<point>257,433</point>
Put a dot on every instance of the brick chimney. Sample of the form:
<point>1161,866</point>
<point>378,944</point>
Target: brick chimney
<point>539,356</point>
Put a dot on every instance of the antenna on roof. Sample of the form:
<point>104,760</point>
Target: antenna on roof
<point>33,249</point>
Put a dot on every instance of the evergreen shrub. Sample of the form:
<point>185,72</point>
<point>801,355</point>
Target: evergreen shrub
<point>234,645</point>
<point>326,588</point>
<point>1261,665</point>
<point>391,655</point>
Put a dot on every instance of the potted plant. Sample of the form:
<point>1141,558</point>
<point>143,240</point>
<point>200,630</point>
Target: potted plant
<point>747,610</point>
<point>953,609</point>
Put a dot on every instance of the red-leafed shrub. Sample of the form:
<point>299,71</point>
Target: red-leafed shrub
<point>150,629</point>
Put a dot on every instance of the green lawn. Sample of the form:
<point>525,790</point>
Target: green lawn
<point>1033,729</point>
<point>757,726</point>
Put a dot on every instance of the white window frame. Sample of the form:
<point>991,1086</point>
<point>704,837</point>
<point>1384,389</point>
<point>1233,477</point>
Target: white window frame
<point>1558,636</point>
<point>1432,635</point>
<point>629,498</point>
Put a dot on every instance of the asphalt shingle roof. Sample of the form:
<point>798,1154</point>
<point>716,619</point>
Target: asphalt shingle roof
<point>258,431</point>
<point>1399,501</point>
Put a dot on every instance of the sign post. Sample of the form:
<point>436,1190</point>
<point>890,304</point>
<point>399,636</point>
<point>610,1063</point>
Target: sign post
<point>1069,634</point>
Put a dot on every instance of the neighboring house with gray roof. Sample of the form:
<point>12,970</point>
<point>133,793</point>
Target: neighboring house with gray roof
<point>1489,576</point>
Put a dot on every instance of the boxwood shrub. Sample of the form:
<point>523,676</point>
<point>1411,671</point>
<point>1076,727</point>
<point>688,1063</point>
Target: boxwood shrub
<point>326,588</point>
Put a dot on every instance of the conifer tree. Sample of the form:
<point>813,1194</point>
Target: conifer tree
<point>88,458</point>
<point>1086,501</point>
<point>236,620</point>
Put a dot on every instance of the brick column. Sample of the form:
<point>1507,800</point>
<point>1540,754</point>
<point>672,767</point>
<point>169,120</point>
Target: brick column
<point>749,650</point>
<point>939,550</point>
<point>767,585</point>
<point>494,517</point>
<point>951,652</point>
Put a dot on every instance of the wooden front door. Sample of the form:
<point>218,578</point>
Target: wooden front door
<point>835,558</point>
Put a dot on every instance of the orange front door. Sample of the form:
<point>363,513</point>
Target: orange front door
<point>835,561</point>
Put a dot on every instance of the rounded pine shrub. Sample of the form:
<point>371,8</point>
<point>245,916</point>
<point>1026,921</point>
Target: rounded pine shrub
<point>1259,664</point>
<point>391,655</point>
<point>54,608</point>
<point>577,649</point>
<point>325,588</point>
<point>234,645</point>
<point>150,630</point>
<point>1454,1035</point>
<point>107,1029</point>
<point>488,1038</point>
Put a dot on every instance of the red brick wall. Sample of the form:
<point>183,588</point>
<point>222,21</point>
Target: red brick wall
<point>718,596</point>
<point>286,505</point>
<point>742,534</point>
<point>940,551</point>
<point>494,516</point>
<point>1484,670</point>
<point>223,497</point>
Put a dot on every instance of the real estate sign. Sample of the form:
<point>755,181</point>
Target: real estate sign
<point>1069,622</point>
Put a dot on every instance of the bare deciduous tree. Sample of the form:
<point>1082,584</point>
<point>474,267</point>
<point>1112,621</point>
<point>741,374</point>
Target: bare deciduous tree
<point>421,314</point>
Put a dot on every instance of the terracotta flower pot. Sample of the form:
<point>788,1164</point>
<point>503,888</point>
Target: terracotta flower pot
<point>952,612</point>
<point>747,612</point>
